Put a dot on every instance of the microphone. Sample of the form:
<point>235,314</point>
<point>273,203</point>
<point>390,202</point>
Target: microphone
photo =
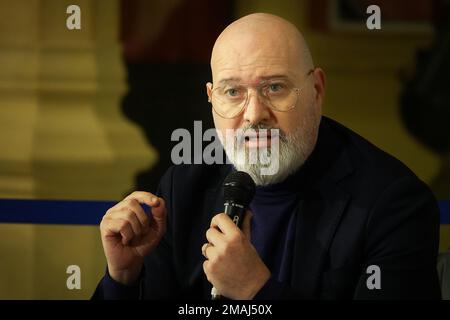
<point>238,192</point>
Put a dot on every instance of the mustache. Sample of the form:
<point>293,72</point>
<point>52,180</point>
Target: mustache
<point>281,134</point>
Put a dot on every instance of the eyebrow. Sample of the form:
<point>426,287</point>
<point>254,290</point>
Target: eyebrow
<point>227,80</point>
<point>265,78</point>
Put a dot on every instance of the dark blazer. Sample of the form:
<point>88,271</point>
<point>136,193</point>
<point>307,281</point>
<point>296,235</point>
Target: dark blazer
<point>358,207</point>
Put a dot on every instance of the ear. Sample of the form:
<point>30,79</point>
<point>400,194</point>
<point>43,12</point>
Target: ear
<point>209,90</point>
<point>319,85</point>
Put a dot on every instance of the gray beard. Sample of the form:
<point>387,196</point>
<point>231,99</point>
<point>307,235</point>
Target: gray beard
<point>292,153</point>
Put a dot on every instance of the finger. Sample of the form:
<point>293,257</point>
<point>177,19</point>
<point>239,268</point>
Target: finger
<point>113,227</point>
<point>158,208</point>
<point>145,197</point>
<point>133,205</point>
<point>140,213</point>
<point>247,224</point>
<point>127,234</point>
<point>224,223</point>
<point>204,247</point>
<point>215,237</point>
<point>129,216</point>
<point>116,207</point>
<point>209,251</point>
<point>159,214</point>
<point>206,269</point>
<point>208,272</point>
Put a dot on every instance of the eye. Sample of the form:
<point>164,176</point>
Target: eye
<point>233,92</point>
<point>275,87</point>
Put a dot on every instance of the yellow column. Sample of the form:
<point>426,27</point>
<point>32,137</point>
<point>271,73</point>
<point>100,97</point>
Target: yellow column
<point>19,96</point>
<point>62,137</point>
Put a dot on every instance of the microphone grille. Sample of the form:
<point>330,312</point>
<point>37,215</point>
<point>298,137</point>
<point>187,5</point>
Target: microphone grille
<point>239,188</point>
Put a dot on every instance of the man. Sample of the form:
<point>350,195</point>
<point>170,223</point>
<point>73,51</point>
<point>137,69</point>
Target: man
<point>340,219</point>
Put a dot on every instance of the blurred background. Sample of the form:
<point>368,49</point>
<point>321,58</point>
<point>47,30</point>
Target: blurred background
<point>87,114</point>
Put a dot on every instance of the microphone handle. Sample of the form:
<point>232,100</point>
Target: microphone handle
<point>236,213</point>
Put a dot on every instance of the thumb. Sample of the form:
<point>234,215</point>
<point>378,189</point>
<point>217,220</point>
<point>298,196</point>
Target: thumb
<point>159,213</point>
<point>247,224</point>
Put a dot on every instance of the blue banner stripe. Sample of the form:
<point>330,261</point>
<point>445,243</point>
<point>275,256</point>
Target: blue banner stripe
<point>86,212</point>
<point>53,211</point>
<point>444,205</point>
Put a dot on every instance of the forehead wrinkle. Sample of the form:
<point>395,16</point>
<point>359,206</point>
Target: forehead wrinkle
<point>255,74</point>
<point>252,65</point>
<point>256,81</point>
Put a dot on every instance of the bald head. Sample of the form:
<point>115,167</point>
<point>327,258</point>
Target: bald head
<point>259,40</point>
<point>258,61</point>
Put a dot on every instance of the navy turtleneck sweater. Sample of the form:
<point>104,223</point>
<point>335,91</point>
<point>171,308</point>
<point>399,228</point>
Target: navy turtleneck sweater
<point>275,210</point>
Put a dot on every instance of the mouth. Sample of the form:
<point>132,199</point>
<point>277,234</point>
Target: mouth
<point>259,139</point>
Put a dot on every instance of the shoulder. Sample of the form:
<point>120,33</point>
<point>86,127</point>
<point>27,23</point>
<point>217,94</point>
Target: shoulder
<point>367,160</point>
<point>377,178</point>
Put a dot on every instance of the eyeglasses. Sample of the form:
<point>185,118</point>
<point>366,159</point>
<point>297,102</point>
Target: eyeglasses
<point>230,100</point>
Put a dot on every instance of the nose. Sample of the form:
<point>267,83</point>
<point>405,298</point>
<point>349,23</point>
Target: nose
<point>257,110</point>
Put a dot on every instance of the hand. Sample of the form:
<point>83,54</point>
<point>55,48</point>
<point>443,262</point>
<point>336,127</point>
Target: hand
<point>233,265</point>
<point>128,234</point>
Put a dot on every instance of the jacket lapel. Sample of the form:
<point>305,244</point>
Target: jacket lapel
<point>322,204</point>
<point>319,215</point>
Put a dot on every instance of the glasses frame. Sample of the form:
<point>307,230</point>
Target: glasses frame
<point>244,105</point>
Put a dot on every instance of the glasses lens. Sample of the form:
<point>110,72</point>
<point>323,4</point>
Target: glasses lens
<point>281,96</point>
<point>229,101</point>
